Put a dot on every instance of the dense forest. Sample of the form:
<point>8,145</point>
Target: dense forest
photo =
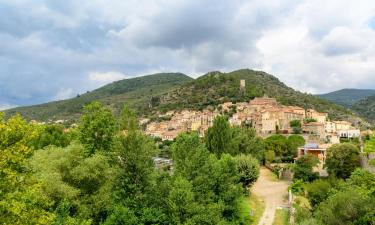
<point>102,172</point>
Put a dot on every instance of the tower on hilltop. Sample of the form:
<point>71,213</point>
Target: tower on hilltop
<point>242,84</point>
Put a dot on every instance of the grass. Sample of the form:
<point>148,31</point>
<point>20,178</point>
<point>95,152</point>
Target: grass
<point>370,145</point>
<point>272,176</point>
<point>281,217</point>
<point>371,162</point>
<point>256,205</point>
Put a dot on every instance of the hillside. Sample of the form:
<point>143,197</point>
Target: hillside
<point>161,92</point>
<point>136,92</point>
<point>366,108</point>
<point>347,97</point>
<point>216,87</point>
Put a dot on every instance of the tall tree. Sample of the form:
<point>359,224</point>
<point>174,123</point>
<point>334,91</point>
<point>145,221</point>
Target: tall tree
<point>21,198</point>
<point>248,168</point>
<point>342,159</point>
<point>218,137</point>
<point>303,168</point>
<point>128,120</point>
<point>96,128</point>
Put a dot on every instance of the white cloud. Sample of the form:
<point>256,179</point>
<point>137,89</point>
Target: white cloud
<point>64,93</point>
<point>106,77</point>
<point>6,106</point>
<point>313,46</point>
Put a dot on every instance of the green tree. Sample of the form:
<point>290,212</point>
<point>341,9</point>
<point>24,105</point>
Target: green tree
<point>269,156</point>
<point>347,207</point>
<point>135,152</point>
<point>218,136</point>
<point>318,190</point>
<point>277,144</point>
<point>128,120</point>
<point>342,159</point>
<point>51,135</point>
<point>96,128</point>
<point>67,175</point>
<point>21,199</point>
<point>245,141</point>
<point>303,168</point>
<point>248,168</point>
<point>294,142</point>
<point>296,126</point>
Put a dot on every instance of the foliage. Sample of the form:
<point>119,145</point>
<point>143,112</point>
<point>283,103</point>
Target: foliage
<point>218,136</point>
<point>347,207</point>
<point>294,142</point>
<point>128,120</point>
<point>269,156</point>
<point>296,126</point>
<point>284,147</point>
<point>248,168</point>
<point>342,159</point>
<point>339,202</point>
<point>347,97</point>
<point>318,190</point>
<point>370,144</point>
<point>139,93</point>
<point>303,168</point>
<point>21,198</point>
<point>297,187</point>
<point>244,140</point>
<point>51,135</point>
<point>173,91</point>
<point>366,108</point>
<point>96,127</point>
<point>68,176</point>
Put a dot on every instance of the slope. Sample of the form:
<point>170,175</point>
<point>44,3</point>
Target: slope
<point>347,97</point>
<point>136,92</point>
<point>366,108</point>
<point>216,87</point>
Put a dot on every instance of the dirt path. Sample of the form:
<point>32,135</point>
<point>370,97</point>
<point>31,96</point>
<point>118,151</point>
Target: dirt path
<point>272,192</point>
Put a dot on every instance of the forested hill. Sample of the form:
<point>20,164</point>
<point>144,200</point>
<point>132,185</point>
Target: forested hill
<point>136,92</point>
<point>170,91</point>
<point>347,97</point>
<point>216,87</point>
<point>366,108</point>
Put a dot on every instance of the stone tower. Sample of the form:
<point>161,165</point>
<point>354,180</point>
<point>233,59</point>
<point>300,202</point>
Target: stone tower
<point>242,84</point>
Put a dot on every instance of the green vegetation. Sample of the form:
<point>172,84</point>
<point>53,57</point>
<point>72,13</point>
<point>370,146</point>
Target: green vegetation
<point>303,168</point>
<point>281,217</point>
<point>296,126</point>
<point>366,108</point>
<point>347,97</point>
<point>216,87</point>
<point>342,159</point>
<point>338,202</point>
<point>104,174</point>
<point>222,138</point>
<point>138,93</point>
<point>370,144</point>
<point>284,148</point>
<point>254,205</point>
<point>174,91</point>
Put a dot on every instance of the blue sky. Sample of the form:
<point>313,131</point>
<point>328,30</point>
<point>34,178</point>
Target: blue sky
<point>51,50</point>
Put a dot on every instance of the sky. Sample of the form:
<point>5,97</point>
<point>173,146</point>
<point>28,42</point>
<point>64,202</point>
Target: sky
<point>53,50</point>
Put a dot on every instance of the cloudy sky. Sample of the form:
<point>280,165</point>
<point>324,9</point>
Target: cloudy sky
<point>52,50</point>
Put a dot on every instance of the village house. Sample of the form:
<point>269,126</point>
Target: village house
<point>315,128</point>
<point>318,116</point>
<point>264,114</point>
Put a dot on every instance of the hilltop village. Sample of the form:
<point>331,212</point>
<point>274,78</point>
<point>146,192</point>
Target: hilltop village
<point>264,114</point>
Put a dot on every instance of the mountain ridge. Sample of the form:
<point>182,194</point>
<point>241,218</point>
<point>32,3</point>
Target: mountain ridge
<point>347,96</point>
<point>151,94</point>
